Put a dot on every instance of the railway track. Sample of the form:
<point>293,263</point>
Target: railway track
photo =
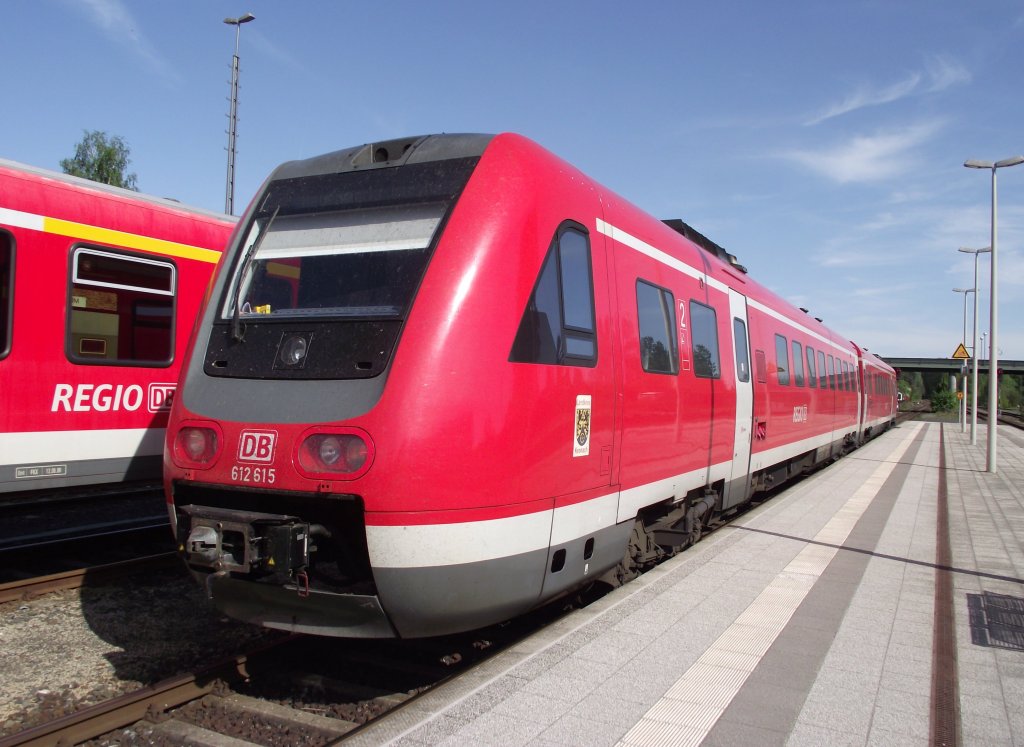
<point>1004,418</point>
<point>34,586</point>
<point>292,689</point>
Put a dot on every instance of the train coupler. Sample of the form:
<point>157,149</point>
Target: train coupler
<point>242,542</point>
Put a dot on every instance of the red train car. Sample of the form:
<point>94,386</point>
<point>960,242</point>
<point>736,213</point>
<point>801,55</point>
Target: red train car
<point>99,288</point>
<point>442,380</point>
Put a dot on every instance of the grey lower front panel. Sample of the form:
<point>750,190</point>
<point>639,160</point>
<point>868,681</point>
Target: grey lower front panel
<point>63,474</point>
<point>283,608</point>
<point>453,598</point>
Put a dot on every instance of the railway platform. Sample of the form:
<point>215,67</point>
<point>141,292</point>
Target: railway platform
<point>878,601</point>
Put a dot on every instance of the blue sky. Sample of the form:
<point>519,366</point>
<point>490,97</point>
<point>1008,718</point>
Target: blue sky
<point>821,142</point>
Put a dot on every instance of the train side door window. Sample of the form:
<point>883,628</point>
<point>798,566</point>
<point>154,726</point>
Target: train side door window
<point>739,333</point>
<point>812,373</point>
<point>798,364</point>
<point>822,373</point>
<point>706,361</point>
<point>782,359</point>
<point>557,327</point>
<point>121,309</point>
<point>655,308</point>
<point>6,292</point>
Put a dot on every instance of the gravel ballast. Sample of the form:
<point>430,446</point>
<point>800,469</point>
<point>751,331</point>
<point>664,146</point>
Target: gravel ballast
<point>70,649</point>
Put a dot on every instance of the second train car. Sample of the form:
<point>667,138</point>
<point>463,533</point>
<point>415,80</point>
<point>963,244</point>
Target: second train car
<point>99,290</point>
<point>442,380</point>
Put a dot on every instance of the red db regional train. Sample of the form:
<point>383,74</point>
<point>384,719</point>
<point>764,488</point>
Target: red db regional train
<point>442,380</point>
<point>99,288</point>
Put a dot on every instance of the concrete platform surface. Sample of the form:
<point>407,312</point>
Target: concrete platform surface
<point>878,601</point>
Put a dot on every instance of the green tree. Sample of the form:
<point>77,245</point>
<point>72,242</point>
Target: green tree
<point>944,400</point>
<point>101,158</point>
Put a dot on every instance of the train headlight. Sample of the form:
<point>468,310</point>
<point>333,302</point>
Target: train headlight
<point>196,446</point>
<point>336,454</point>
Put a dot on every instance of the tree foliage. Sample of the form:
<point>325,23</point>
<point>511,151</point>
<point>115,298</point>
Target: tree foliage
<point>101,158</point>
<point>944,401</point>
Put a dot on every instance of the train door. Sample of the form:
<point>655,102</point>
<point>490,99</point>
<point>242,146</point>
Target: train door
<point>738,486</point>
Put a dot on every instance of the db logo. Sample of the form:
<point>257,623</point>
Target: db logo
<point>257,446</point>
<point>160,397</point>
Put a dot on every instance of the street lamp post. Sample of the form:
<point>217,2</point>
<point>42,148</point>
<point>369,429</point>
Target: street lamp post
<point>962,409</point>
<point>993,363</point>
<point>974,345</point>
<point>229,190</point>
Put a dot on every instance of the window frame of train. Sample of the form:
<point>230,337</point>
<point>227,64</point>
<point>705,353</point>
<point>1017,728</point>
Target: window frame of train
<point>822,371</point>
<point>812,371</point>
<point>144,296</point>
<point>6,292</point>
<point>739,334</point>
<point>782,359</point>
<point>576,325</point>
<point>798,363</point>
<point>705,335</point>
<point>657,321</point>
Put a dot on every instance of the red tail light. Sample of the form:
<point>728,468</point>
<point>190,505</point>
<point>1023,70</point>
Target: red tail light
<point>196,447</point>
<point>336,454</point>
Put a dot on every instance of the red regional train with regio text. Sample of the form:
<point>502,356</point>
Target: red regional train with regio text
<point>442,380</point>
<point>99,290</point>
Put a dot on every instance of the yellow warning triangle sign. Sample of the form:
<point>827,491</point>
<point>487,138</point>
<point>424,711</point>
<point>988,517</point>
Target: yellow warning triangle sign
<point>961,353</point>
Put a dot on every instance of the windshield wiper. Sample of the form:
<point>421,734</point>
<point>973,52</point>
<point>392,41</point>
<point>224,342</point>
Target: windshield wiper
<point>237,328</point>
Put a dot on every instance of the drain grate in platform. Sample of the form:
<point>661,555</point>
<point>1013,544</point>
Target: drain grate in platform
<point>996,620</point>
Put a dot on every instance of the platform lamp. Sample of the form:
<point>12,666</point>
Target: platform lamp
<point>993,364</point>
<point>974,345</point>
<point>229,190</point>
<point>962,408</point>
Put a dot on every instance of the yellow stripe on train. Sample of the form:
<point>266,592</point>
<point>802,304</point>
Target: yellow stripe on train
<point>128,240</point>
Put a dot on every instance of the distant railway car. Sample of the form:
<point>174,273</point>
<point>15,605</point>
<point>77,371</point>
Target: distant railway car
<point>442,380</point>
<point>99,288</point>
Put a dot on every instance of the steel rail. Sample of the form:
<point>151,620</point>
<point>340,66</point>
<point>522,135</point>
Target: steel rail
<point>126,709</point>
<point>76,579</point>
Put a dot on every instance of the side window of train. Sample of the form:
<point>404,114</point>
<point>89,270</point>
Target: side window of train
<point>822,373</point>
<point>739,334</point>
<point>6,292</point>
<point>121,309</point>
<point>782,359</point>
<point>798,364</point>
<point>557,327</point>
<point>812,374</point>
<point>706,361</point>
<point>655,308</point>
<point>831,372</point>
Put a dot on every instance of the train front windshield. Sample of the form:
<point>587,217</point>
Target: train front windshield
<point>345,246</point>
<point>350,263</point>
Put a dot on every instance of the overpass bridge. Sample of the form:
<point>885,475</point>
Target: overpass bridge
<point>950,365</point>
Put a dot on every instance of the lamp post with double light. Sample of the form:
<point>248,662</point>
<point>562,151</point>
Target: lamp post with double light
<point>229,190</point>
<point>993,364</point>
<point>974,345</point>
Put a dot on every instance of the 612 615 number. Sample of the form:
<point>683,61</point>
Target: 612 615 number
<point>254,475</point>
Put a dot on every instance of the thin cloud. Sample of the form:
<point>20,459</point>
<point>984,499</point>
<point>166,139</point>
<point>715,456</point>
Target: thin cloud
<point>865,158</point>
<point>940,73</point>
<point>866,96</point>
<point>117,23</point>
